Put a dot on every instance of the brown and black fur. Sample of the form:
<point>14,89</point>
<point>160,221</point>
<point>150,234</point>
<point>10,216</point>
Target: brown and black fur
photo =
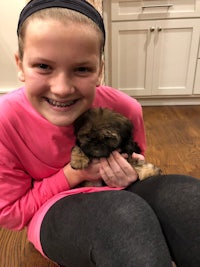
<point>100,131</point>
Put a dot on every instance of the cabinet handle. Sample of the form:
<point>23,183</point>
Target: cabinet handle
<point>159,29</point>
<point>156,6</point>
<point>152,29</point>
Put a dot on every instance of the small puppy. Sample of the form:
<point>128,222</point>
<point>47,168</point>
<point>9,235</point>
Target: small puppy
<point>100,131</point>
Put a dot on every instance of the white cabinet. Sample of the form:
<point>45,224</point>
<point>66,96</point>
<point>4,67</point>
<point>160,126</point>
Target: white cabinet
<point>154,57</point>
<point>152,49</point>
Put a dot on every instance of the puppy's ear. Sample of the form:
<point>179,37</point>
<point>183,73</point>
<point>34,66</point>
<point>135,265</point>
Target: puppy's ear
<point>128,143</point>
<point>125,126</point>
<point>81,122</point>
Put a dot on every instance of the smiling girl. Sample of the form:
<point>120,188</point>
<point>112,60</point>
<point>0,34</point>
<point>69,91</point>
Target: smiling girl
<point>61,44</point>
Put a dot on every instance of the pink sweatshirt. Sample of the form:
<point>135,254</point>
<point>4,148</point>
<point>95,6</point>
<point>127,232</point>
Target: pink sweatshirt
<point>33,153</point>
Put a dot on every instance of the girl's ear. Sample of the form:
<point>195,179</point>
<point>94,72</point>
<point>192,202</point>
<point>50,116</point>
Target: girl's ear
<point>20,68</point>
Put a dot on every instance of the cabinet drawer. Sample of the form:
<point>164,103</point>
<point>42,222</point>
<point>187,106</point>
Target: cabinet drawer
<point>138,9</point>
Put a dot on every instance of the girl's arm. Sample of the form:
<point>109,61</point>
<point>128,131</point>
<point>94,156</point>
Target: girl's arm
<point>21,195</point>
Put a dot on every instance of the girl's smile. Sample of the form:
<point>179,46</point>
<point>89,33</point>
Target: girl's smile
<point>58,104</point>
<point>61,106</point>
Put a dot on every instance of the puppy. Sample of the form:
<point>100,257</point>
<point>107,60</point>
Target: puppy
<point>100,131</point>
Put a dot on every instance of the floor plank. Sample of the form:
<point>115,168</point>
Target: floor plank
<point>173,141</point>
<point>16,251</point>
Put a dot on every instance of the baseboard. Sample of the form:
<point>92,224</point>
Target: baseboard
<point>169,101</point>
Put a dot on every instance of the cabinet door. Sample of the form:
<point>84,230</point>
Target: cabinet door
<point>197,79</point>
<point>175,54</point>
<point>132,56</point>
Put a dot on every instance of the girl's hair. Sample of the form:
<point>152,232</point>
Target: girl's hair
<point>63,15</point>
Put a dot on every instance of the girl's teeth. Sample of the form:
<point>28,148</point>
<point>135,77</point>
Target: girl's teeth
<point>59,104</point>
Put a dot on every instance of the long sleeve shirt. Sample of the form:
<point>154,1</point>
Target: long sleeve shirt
<point>33,153</point>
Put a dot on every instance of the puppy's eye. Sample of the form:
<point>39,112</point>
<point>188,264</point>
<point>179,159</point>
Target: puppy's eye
<point>112,141</point>
<point>84,137</point>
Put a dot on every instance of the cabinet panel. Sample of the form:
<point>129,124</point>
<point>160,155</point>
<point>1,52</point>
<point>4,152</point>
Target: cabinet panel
<point>197,79</point>
<point>199,50</point>
<point>138,9</point>
<point>176,47</point>
<point>132,59</point>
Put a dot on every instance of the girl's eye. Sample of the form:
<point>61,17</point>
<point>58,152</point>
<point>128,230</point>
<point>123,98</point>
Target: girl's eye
<point>44,66</point>
<point>83,69</point>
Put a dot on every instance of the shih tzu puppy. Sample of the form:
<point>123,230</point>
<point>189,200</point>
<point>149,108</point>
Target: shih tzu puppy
<point>99,132</point>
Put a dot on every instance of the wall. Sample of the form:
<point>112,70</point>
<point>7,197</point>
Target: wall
<point>9,12</point>
<point>97,4</point>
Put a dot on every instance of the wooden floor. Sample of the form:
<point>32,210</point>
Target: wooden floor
<point>173,139</point>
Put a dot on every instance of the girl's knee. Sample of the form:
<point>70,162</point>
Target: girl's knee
<point>128,232</point>
<point>129,211</point>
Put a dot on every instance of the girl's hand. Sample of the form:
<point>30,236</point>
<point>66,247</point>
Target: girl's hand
<point>116,171</point>
<point>75,177</point>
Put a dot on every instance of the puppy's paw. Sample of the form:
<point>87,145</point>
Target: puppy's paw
<point>78,159</point>
<point>145,170</point>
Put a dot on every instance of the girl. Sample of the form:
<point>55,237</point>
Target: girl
<point>126,223</point>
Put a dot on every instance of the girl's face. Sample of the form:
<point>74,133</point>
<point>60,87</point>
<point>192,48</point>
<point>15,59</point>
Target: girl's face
<point>61,68</point>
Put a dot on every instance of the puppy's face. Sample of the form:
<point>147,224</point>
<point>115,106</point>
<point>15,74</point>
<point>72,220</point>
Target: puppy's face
<point>97,142</point>
<point>100,131</point>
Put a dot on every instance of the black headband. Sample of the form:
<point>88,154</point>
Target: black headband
<point>80,6</point>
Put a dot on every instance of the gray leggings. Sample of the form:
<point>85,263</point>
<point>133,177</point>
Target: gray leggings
<point>143,226</point>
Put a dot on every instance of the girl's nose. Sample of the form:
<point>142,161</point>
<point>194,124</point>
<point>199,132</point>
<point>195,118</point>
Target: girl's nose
<point>62,85</point>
